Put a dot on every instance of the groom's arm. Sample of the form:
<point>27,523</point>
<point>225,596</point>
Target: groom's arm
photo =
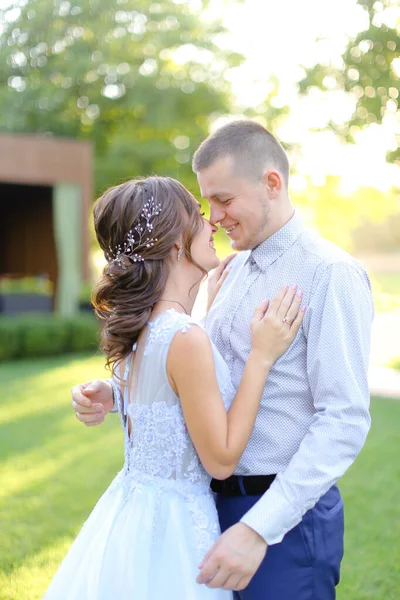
<point>92,400</point>
<point>338,329</point>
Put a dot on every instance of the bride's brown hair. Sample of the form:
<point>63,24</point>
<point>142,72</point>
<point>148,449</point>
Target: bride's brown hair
<point>127,291</point>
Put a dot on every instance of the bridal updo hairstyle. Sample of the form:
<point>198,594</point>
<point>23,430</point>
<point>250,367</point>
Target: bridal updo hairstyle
<point>127,291</point>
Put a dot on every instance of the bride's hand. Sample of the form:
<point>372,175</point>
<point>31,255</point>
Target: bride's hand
<point>217,278</point>
<point>275,324</point>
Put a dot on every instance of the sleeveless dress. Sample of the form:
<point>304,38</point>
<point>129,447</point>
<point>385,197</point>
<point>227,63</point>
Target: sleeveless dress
<point>152,527</point>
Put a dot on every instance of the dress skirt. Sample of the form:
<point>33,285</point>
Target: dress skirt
<point>144,540</point>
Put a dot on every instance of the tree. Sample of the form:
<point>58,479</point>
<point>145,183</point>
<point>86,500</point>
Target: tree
<point>356,220</point>
<point>370,72</point>
<point>139,78</point>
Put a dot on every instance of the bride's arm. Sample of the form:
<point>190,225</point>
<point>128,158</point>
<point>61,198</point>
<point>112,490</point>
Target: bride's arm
<point>220,437</point>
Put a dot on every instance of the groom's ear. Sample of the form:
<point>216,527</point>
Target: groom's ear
<point>273,182</point>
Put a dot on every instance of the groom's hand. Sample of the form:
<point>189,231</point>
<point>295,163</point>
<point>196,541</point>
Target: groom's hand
<point>234,559</point>
<point>91,401</point>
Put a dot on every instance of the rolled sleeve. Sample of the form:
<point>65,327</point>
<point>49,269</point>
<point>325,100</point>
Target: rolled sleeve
<point>337,327</point>
<point>117,396</point>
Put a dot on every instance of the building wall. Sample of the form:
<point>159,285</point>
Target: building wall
<point>41,161</point>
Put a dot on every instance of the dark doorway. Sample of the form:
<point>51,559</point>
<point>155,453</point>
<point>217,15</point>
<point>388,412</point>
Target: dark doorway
<point>26,231</point>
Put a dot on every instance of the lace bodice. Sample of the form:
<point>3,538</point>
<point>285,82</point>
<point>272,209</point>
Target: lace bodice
<point>159,443</point>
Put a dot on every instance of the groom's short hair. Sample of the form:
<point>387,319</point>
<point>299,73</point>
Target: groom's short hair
<point>252,147</point>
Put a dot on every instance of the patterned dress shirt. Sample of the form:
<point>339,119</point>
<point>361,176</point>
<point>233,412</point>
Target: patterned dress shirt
<point>313,418</point>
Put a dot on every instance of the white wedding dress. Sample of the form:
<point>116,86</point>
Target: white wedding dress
<point>152,527</point>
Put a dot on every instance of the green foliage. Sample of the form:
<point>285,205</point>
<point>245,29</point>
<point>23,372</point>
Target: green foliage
<point>40,286</point>
<point>338,215</point>
<point>85,292</point>
<point>43,336</point>
<point>388,282</point>
<point>271,110</point>
<point>83,334</point>
<point>395,364</point>
<point>10,339</point>
<point>386,303</point>
<point>38,335</point>
<point>138,78</point>
<point>369,72</point>
<point>382,236</point>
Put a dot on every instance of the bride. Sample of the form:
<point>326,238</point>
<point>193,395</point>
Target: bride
<point>182,421</point>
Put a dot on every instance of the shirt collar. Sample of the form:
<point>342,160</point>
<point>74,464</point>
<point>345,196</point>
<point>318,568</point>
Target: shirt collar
<point>270,250</point>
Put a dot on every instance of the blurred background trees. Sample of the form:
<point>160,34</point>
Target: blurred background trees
<point>140,79</point>
<point>145,81</point>
<point>369,71</point>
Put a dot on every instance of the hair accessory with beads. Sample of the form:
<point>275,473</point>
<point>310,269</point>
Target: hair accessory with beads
<point>136,240</point>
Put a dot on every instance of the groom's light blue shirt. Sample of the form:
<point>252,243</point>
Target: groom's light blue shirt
<point>313,417</point>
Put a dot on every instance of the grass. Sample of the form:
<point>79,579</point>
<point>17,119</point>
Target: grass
<point>53,470</point>
<point>371,488</point>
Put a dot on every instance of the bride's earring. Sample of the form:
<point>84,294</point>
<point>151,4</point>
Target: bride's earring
<point>180,252</point>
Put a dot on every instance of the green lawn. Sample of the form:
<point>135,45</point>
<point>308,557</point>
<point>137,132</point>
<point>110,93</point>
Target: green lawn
<point>53,470</point>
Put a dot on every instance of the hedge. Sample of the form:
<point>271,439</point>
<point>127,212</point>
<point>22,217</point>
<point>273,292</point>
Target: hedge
<point>47,335</point>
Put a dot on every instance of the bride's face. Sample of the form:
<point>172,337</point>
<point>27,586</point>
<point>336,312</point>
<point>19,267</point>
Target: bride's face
<point>203,249</point>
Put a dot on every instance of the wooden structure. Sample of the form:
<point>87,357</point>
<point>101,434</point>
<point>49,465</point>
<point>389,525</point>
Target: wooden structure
<point>45,197</point>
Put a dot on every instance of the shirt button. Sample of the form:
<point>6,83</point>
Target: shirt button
<point>228,356</point>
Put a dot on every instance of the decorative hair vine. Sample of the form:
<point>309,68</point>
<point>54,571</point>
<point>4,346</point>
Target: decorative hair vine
<point>136,240</point>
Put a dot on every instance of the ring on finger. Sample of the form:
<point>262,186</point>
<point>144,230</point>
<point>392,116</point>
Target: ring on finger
<point>286,320</point>
<point>212,576</point>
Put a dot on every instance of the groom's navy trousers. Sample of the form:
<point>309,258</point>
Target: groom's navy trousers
<point>306,564</point>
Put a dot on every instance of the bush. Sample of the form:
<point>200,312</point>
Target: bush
<point>43,336</point>
<point>84,333</point>
<point>10,339</point>
<point>39,335</point>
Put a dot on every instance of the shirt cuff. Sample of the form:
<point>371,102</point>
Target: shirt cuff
<point>117,396</point>
<point>272,516</point>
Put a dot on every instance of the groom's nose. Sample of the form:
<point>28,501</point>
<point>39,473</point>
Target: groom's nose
<point>216,214</point>
<point>214,227</point>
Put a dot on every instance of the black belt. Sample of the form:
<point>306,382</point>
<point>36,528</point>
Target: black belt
<point>242,485</point>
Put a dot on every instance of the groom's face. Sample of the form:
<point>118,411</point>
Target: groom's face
<point>237,204</point>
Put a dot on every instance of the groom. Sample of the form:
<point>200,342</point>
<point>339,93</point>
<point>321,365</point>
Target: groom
<point>281,513</point>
